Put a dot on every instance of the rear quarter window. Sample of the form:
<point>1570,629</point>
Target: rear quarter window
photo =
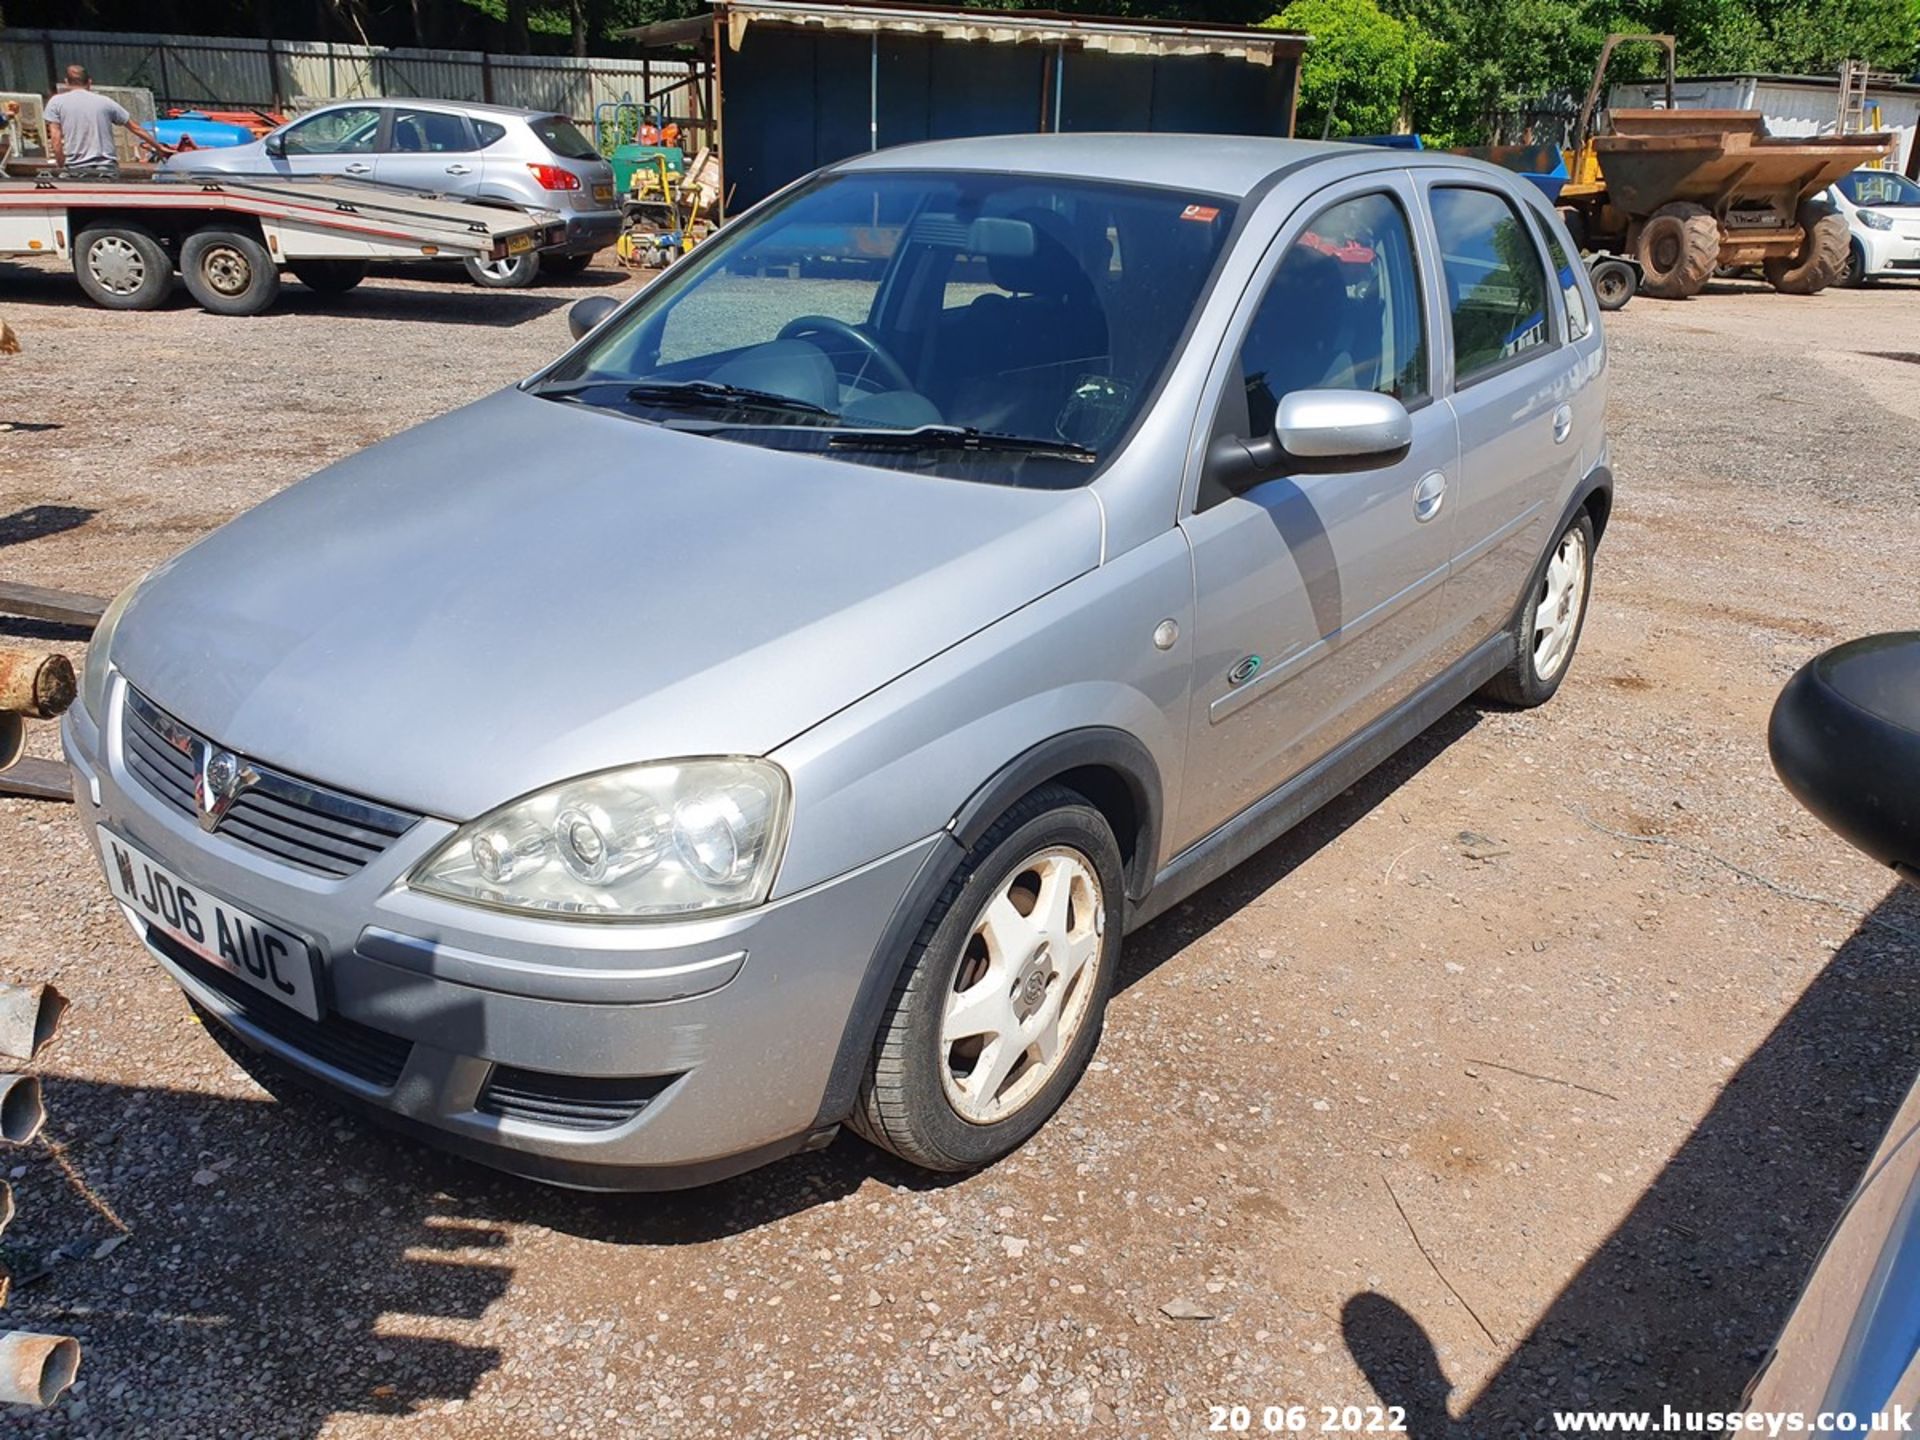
<point>487,132</point>
<point>563,138</point>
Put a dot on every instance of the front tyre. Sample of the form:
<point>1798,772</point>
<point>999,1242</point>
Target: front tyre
<point>1549,624</point>
<point>1000,1005</point>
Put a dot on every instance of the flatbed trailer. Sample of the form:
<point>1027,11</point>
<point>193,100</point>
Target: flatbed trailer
<point>229,238</point>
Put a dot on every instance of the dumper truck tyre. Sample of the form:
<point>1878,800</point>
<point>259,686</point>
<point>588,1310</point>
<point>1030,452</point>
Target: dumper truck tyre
<point>328,277</point>
<point>229,272</point>
<point>1677,249</point>
<point>122,267</point>
<point>1822,257</point>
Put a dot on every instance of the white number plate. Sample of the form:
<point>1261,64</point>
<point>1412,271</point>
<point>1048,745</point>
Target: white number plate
<point>273,961</point>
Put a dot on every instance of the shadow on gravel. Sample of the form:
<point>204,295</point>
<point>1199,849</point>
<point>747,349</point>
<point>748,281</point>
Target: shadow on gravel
<point>37,522</point>
<point>1155,944</point>
<point>1681,1302</point>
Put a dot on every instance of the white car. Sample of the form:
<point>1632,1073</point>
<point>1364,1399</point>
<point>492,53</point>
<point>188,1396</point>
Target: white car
<point>1883,215</point>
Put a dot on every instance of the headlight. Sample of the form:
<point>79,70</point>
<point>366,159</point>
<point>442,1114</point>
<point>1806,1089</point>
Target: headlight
<point>1874,221</point>
<point>649,842</point>
<point>97,666</point>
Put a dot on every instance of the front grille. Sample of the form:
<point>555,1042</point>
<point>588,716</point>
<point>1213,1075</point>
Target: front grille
<point>360,1050</point>
<point>304,825</point>
<point>572,1102</point>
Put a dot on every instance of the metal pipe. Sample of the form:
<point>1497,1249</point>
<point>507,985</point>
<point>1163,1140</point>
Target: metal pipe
<point>13,738</point>
<point>1059,81</point>
<point>873,95</point>
<point>29,1017</point>
<point>21,1113</point>
<point>41,687</point>
<point>36,1369</point>
<point>6,1205</point>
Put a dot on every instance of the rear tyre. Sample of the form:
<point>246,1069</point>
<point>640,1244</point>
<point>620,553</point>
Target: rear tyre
<point>122,267</point>
<point>228,272</point>
<point>1549,624</point>
<point>1677,249</point>
<point>1822,257</point>
<point>999,1006</point>
<point>328,277</point>
<point>561,267</point>
<point>1613,283</point>
<point>516,272</point>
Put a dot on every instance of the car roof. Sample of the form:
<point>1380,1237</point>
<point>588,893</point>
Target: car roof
<point>1232,165</point>
<point>465,107</point>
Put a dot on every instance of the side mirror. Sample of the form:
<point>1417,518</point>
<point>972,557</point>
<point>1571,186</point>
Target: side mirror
<point>590,314</point>
<point>1323,431</point>
<point>275,146</point>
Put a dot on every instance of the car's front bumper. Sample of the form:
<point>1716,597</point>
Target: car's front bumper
<point>1891,252</point>
<point>472,1028</point>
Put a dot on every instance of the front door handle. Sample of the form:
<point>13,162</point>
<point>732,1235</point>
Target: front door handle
<point>458,169</point>
<point>1562,424</point>
<point>1429,495</point>
<point>359,167</point>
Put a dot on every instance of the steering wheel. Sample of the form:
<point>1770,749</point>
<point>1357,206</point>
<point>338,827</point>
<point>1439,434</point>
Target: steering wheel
<point>891,371</point>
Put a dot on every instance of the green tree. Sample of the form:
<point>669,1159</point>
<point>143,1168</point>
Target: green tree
<point>1358,73</point>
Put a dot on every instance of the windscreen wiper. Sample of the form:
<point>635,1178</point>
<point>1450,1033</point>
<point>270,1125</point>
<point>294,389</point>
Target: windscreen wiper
<point>960,437</point>
<point>687,394</point>
<point>716,395</point>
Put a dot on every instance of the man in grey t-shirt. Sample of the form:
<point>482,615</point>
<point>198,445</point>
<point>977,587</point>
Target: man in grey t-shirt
<point>80,129</point>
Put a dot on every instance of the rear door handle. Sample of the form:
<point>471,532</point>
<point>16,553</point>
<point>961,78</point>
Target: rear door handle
<point>459,169</point>
<point>1429,495</point>
<point>1562,423</point>
<point>359,167</point>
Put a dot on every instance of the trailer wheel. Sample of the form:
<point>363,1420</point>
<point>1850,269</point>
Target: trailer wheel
<point>229,273</point>
<point>1822,256</point>
<point>122,267</point>
<point>328,277</point>
<point>1613,283</point>
<point>516,272</point>
<point>1677,249</point>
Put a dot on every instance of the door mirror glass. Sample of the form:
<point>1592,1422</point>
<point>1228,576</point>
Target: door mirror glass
<point>275,146</point>
<point>589,314</point>
<point>1321,425</point>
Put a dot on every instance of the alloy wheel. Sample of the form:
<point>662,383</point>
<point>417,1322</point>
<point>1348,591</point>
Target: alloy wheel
<point>1023,988</point>
<point>1556,612</point>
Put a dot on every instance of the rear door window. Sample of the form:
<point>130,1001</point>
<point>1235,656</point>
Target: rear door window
<point>1496,285</point>
<point>428,132</point>
<point>563,138</point>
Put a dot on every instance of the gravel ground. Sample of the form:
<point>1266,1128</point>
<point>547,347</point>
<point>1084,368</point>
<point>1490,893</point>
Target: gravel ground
<point>1553,1114</point>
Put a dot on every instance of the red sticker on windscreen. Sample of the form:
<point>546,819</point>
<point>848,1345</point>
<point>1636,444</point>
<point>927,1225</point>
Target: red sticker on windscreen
<point>1200,212</point>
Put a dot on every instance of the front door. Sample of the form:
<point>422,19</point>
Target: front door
<point>1316,593</point>
<point>341,140</point>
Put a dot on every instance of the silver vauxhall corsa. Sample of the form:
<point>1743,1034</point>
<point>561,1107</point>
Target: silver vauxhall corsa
<point>771,715</point>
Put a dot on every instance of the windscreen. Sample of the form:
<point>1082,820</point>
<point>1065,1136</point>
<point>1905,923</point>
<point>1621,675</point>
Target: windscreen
<point>1020,324</point>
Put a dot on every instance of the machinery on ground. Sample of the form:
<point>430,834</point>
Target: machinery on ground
<point>1686,192</point>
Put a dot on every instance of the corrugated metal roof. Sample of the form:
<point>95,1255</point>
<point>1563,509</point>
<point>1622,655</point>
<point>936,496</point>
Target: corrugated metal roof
<point>1142,37</point>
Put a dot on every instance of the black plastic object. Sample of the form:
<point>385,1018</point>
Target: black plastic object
<point>1845,737</point>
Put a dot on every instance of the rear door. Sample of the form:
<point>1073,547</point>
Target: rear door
<point>340,140</point>
<point>430,149</point>
<point>1514,380</point>
<point>1316,594</point>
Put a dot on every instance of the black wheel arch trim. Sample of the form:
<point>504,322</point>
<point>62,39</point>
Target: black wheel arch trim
<point>1094,747</point>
